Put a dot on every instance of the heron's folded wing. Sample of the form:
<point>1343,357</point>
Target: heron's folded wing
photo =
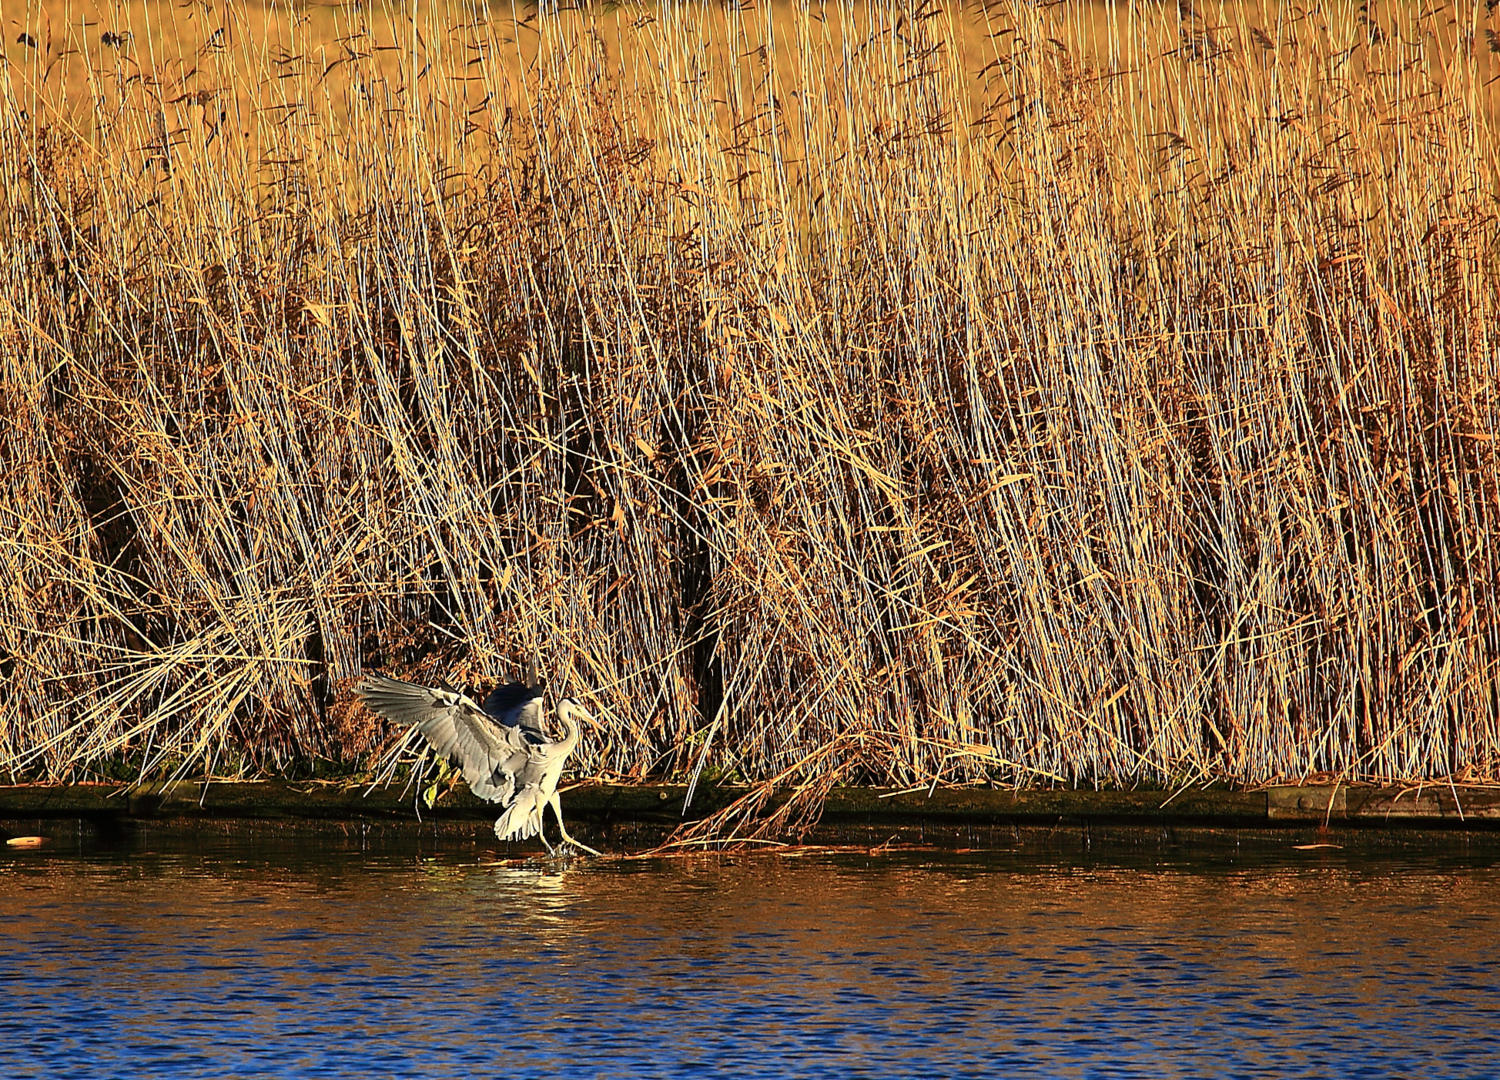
<point>488,753</point>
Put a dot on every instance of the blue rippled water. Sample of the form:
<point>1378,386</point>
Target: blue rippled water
<point>244,955</point>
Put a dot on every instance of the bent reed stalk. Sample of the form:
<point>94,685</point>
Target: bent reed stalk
<point>888,393</point>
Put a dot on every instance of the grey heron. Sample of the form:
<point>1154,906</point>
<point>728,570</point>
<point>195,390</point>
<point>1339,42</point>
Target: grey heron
<point>505,755</point>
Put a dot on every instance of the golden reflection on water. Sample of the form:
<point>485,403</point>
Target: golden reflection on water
<point>829,962</point>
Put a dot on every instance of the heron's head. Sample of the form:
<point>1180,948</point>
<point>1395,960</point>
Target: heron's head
<point>569,707</point>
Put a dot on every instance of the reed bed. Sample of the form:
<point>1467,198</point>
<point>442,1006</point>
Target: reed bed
<point>895,393</point>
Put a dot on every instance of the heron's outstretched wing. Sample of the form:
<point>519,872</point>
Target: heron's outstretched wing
<point>490,753</point>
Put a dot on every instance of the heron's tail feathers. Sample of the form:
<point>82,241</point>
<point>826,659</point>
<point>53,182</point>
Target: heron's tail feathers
<point>523,818</point>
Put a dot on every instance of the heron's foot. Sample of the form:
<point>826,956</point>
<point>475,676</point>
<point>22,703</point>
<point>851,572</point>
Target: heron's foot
<point>557,813</point>
<point>578,844</point>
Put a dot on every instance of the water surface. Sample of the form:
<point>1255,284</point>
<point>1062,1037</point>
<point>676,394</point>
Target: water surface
<point>253,952</point>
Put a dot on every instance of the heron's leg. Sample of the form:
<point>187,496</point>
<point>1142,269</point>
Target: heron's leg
<point>556,805</point>
<point>541,833</point>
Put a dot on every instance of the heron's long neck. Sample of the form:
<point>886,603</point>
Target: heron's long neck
<point>569,726</point>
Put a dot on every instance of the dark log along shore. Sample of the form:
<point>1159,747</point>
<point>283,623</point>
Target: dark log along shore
<point>636,816</point>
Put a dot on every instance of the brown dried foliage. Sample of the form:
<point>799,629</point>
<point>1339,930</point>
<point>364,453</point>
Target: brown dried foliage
<point>917,394</point>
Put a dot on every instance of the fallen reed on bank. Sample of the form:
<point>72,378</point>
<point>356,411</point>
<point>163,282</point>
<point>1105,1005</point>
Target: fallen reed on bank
<point>891,393</point>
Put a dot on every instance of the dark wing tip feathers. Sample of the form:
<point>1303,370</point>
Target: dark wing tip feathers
<point>506,701</point>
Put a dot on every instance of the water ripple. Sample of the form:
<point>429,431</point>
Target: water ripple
<point>291,963</point>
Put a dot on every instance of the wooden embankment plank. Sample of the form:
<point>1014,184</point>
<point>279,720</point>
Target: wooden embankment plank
<point>663,804</point>
<point>1045,805</point>
<point>1429,804</point>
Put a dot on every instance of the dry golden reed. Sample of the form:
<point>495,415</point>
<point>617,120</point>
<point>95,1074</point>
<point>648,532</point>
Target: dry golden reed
<point>894,393</point>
